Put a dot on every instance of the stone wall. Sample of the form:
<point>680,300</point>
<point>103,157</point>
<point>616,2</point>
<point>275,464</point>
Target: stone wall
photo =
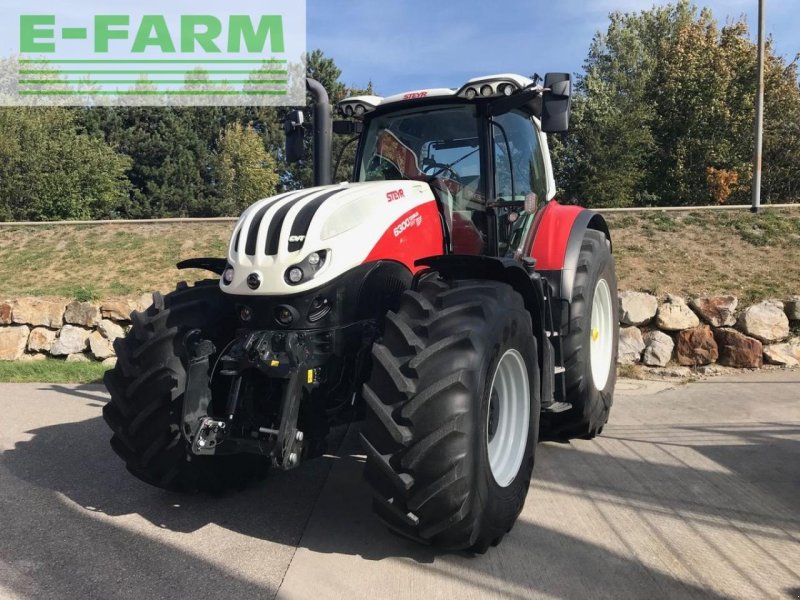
<point>34,328</point>
<point>653,332</point>
<point>707,331</point>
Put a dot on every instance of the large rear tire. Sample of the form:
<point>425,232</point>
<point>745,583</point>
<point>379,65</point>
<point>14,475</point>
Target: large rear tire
<point>590,350</point>
<point>147,390</point>
<point>452,413</point>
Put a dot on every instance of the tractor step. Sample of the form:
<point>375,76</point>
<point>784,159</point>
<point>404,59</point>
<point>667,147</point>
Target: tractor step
<point>557,407</point>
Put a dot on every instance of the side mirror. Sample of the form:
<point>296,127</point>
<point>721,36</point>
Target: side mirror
<point>293,127</point>
<point>556,102</point>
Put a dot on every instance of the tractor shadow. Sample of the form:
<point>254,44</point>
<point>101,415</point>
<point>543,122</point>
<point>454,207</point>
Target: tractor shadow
<point>76,461</point>
<point>324,506</point>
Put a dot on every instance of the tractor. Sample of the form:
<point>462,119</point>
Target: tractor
<point>442,297</point>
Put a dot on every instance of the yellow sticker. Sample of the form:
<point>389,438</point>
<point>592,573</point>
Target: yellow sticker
<point>311,376</point>
<point>595,335</point>
<point>275,363</point>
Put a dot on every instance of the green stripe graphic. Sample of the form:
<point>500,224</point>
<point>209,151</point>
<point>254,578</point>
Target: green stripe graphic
<point>151,61</point>
<point>128,72</point>
<point>152,81</point>
<point>151,93</point>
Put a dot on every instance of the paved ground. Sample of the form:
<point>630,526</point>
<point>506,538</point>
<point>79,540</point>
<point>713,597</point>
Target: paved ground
<point>691,492</point>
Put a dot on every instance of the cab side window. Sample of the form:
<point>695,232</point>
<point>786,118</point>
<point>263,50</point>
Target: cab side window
<point>519,170</point>
<point>518,160</point>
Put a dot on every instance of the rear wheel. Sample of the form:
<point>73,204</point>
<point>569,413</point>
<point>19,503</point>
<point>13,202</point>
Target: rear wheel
<point>453,413</point>
<point>590,351</point>
<point>147,391</point>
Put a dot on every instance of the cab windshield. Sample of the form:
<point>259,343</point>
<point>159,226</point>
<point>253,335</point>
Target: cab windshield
<point>439,145</point>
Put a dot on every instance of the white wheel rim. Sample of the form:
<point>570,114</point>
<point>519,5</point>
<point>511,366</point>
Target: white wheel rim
<point>509,416</point>
<point>601,335</point>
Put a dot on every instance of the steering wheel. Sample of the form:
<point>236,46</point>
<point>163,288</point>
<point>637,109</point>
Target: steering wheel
<point>436,170</point>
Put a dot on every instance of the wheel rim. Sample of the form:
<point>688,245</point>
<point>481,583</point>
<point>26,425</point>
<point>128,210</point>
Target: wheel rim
<point>508,417</point>
<point>601,336</point>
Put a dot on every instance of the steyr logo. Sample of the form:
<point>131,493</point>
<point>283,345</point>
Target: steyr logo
<point>395,195</point>
<point>236,53</point>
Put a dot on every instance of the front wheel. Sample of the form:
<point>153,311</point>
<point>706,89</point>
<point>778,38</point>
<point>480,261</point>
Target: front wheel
<point>453,413</point>
<point>147,393</point>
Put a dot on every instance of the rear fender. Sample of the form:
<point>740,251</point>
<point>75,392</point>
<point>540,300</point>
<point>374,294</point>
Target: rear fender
<point>555,242</point>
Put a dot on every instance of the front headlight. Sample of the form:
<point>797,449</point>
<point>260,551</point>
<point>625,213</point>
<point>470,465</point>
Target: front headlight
<point>307,269</point>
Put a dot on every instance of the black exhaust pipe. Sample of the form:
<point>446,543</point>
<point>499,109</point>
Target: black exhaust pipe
<point>323,132</point>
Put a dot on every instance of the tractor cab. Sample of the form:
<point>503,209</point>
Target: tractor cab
<point>481,148</point>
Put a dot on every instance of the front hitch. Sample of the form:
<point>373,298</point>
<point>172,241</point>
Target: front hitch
<point>201,431</point>
<point>280,355</point>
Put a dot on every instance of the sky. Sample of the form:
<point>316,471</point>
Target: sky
<point>415,44</point>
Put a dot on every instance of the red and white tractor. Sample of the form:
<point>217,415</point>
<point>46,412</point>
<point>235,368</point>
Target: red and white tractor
<point>443,296</point>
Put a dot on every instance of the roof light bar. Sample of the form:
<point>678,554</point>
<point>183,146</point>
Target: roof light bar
<point>493,86</point>
<point>358,106</point>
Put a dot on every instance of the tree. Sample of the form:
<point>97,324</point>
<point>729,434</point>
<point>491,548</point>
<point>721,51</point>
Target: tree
<point>50,171</point>
<point>244,171</point>
<point>781,177</point>
<point>664,114</point>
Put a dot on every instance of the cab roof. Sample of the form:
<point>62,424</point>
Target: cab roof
<point>476,88</point>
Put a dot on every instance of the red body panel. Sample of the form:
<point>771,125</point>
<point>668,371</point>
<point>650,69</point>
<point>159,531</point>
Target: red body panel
<point>551,233</point>
<point>417,234</point>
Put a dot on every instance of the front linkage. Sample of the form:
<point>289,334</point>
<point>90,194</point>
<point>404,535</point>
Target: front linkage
<point>295,358</point>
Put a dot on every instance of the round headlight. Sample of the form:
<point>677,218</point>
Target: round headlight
<point>487,90</point>
<point>313,259</point>
<point>295,275</point>
<point>227,276</point>
<point>470,93</point>
<point>508,89</point>
<point>360,110</point>
<point>348,111</point>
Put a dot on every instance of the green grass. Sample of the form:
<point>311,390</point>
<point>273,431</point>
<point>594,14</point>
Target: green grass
<point>658,221</point>
<point>51,371</point>
<point>695,253</point>
<point>686,253</point>
<point>93,262</point>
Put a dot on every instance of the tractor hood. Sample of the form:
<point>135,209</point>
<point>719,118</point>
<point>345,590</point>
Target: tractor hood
<point>301,240</point>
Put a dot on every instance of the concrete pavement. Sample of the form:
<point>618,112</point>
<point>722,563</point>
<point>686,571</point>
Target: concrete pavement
<point>692,491</point>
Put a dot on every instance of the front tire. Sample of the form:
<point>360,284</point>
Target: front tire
<point>452,413</point>
<point>147,390</point>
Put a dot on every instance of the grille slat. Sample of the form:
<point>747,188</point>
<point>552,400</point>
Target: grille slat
<point>305,216</point>
<point>276,223</point>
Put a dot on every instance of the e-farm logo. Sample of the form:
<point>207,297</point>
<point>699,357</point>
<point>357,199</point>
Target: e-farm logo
<point>188,57</point>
